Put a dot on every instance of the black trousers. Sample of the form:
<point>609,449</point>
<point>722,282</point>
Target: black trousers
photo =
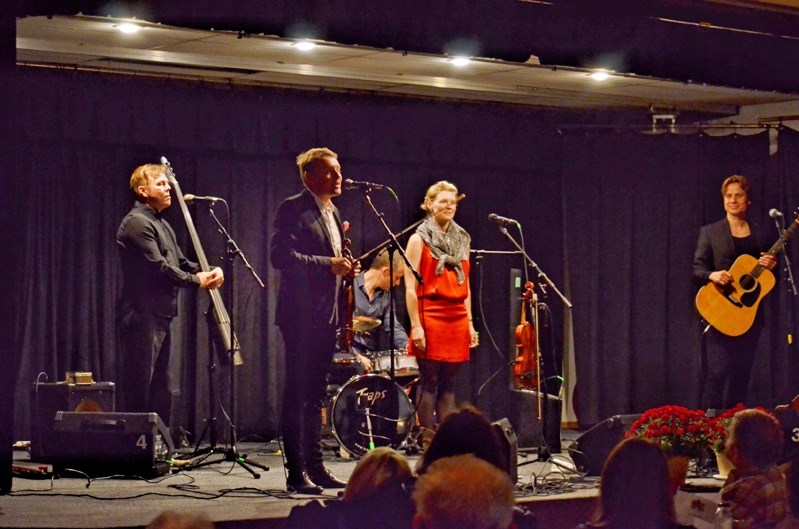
<point>145,383</point>
<point>728,367</point>
<point>309,352</point>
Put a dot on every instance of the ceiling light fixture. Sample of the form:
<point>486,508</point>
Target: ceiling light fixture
<point>599,75</point>
<point>128,28</point>
<point>461,61</point>
<point>305,45</point>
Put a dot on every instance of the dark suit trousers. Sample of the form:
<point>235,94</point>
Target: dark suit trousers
<point>145,384</point>
<point>309,352</point>
<point>728,367</point>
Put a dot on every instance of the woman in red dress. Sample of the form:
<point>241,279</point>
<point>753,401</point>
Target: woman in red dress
<point>440,309</point>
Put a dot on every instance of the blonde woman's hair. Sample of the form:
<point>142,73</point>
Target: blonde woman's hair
<point>434,190</point>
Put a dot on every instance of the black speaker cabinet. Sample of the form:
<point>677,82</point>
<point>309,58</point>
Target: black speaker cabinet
<point>509,442</point>
<point>531,431</point>
<point>102,444</point>
<point>47,399</point>
<point>592,448</point>
<point>789,420</point>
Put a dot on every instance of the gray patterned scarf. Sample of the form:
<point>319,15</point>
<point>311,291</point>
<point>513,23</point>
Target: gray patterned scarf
<point>448,248</point>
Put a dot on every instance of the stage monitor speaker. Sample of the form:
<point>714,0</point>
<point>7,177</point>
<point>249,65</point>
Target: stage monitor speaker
<point>789,420</point>
<point>509,442</point>
<point>592,448</point>
<point>531,431</point>
<point>48,398</point>
<point>102,444</point>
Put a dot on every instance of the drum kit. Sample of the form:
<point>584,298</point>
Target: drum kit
<point>368,410</point>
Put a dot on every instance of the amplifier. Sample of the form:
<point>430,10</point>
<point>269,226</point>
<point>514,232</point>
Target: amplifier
<point>102,444</point>
<point>48,398</point>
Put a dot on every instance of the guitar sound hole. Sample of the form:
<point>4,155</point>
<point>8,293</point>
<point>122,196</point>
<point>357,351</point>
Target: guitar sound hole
<point>747,282</point>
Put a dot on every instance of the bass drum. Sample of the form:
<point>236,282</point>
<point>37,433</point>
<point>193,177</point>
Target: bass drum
<point>370,411</point>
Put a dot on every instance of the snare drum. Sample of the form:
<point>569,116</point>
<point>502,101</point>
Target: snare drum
<point>370,411</point>
<point>405,365</point>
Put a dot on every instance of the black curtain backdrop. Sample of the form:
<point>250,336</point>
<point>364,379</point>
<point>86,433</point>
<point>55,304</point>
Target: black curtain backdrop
<point>618,212</point>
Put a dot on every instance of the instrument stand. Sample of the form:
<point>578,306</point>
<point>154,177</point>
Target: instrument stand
<point>230,453</point>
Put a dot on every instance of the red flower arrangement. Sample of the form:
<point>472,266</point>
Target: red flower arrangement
<point>678,430</point>
<point>720,425</point>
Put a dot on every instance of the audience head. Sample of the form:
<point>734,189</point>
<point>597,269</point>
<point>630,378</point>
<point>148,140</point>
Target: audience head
<point>634,488</point>
<point>755,439</point>
<point>465,431</point>
<point>463,492</point>
<point>180,520</point>
<point>379,468</point>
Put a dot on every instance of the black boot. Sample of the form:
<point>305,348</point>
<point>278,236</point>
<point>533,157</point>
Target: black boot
<point>298,481</point>
<point>326,479</point>
<point>312,444</point>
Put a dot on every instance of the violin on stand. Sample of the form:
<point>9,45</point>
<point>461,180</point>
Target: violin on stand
<point>526,368</point>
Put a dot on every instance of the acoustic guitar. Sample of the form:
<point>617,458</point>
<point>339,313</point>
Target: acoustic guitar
<point>732,309</point>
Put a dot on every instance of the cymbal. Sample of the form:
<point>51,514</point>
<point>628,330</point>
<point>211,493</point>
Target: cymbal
<point>364,323</point>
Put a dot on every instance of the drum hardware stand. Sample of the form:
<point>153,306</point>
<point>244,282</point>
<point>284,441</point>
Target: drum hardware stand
<point>392,245</point>
<point>230,453</point>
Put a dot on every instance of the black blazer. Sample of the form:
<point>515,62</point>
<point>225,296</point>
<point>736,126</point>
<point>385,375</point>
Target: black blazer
<point>715,249</point>
<point>300,248</point>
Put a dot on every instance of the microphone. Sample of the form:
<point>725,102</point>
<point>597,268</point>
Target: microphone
<point>502,221</point>
<point>353,184</point>
<point>774,213</point>
<point>189,198</point>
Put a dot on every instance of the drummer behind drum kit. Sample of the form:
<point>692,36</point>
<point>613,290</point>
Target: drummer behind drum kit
<point>371,410</point>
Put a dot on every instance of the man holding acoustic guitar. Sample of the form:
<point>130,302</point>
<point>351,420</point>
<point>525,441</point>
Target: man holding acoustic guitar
<point>732,262</point>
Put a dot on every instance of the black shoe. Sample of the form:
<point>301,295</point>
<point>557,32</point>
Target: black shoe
<point>326,479</point>
<point>300,482</point>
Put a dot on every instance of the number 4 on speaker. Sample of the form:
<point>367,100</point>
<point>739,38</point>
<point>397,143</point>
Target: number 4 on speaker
<point>142,442</point>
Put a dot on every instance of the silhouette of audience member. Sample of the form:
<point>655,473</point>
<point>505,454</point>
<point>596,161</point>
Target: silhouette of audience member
<point>180,520</point>
<point>791,520</point>
<point>465,431</point>
<point>463,492</point>
<point>634,489</point>
<point>377,495</point>
<point>755,489</point>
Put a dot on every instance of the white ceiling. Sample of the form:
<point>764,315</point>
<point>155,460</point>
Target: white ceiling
<point>94,43</point>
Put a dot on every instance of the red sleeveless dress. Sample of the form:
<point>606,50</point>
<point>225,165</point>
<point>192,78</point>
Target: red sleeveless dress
<point>442,312</point>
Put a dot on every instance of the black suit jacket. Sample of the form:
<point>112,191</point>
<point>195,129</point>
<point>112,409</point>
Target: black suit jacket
<point>715,249</point>
<point>300,248</point>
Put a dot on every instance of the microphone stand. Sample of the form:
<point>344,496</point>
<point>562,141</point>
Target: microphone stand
<point>393,245</point>
<point>231,453</point>
<point>779,223</point>
<point>544,453</point>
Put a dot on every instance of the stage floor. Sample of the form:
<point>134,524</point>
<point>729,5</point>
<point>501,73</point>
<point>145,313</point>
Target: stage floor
<point>230,496</point>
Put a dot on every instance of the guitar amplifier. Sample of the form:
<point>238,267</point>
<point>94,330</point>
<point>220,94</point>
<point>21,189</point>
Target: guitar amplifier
<point>48,398</point>
<point>102,444</point>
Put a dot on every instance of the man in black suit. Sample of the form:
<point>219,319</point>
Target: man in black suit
<point>729,359</point>
<point>153,270</point>
<point>306,246</point>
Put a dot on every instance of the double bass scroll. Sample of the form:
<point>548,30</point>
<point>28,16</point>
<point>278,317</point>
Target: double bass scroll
<point>221,327</point>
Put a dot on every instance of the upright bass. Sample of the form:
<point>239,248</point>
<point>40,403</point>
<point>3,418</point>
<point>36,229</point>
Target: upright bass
<point>218,315</point>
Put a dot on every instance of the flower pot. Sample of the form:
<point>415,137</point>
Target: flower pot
<point>724,464</point>
<point>678,471</point>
